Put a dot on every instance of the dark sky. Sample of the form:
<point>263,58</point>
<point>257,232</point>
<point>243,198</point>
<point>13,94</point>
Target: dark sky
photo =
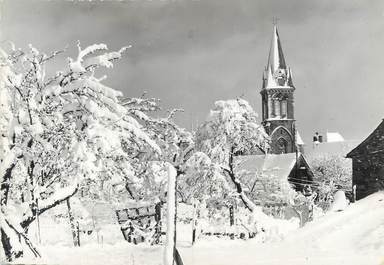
<point>191,53</point>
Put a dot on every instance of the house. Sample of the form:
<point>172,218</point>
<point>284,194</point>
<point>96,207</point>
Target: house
<point>290,166</point>
<point>368,164</point>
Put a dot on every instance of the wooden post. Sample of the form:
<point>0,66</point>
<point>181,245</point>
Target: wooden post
<point>38,221</point>
<point>75,232</point>
<point>78,233</point>
<point>176,255</point>
<point>169,248</point>
<point>354,193</point>
<point>194,222</point>
<point>158,223</point>
<point>231,220</point>
<point>231,216</point>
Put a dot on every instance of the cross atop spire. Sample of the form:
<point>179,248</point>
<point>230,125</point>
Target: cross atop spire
<point>276,57</point>
<point>275,20</point>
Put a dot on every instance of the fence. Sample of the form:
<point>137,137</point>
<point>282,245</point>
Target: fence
<point>140,224</point>
<point>144,224</point>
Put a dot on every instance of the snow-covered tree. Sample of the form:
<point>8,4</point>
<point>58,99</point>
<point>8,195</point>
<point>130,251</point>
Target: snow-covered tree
<point>331,173</point>
<point>197,176</point>
<point>67,129</point>
<point>202,180</point>
<point>231,129</point>
<point>267,188</point>
<point>176,145</point>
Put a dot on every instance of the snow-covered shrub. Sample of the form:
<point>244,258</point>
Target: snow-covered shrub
<point>331,173</point>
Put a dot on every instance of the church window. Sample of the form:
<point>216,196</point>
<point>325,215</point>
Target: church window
<point>282,144</point>
<point>284,108</point>
<point>277,107</point>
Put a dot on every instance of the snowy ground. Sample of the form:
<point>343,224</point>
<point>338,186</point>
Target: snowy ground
<point>354,236</point>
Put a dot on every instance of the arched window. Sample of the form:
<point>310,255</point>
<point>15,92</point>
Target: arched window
<point>282,145</point>
<point>277,107</point>
<point>284,108</point>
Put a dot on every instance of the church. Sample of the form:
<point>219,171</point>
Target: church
<point>277,95</point>
<point>285,158</point>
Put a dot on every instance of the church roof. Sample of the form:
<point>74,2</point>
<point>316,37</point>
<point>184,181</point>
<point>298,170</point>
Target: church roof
<point>276,57</point>
<point>278,165</point>
<point>299,140</point>
<point>374,143</point>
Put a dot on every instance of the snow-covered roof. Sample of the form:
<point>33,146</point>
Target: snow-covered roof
<point>299,140</point>
<point>278,165</point>
<point>332,148</point>
<point>334,137</point>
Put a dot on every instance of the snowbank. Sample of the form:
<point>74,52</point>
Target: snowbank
<point>353,236</point>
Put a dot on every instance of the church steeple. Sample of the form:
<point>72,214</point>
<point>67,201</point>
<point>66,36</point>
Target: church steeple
<point>277,99</point>
<point>277,74</point>
<point>276,57</point>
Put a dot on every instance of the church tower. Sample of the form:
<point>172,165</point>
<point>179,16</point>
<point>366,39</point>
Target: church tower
<point>277,100</point>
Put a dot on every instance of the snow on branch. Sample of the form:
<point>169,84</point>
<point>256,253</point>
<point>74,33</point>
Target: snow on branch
<point>172,113</point>
<point>57,197</point>
<point>81,64</point>
<point>106,59</point>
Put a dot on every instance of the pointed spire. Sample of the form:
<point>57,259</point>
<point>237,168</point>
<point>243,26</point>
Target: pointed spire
<point>276,58</point>
<point>289,78</point>
<point>277,74</point>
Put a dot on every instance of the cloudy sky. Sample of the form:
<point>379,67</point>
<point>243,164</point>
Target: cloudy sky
<point>190,53</point>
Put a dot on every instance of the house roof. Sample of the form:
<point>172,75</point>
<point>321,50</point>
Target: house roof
<point>334,137</point>
<point>374,143</point>
<point>332,148</point>
<point>279,165</point>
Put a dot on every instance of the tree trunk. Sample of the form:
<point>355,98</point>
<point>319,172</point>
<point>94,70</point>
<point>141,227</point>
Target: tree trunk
<point>9,238</point>
<point>74,228</point>
<point>11,244</point>
<point>244,198</point>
